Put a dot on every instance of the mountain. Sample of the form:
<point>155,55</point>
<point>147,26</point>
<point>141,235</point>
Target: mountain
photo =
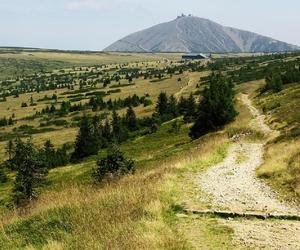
<point>194,34</point>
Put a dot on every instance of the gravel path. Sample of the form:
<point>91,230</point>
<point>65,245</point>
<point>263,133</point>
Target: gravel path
<point>232,185</point>
<point>279,235</point>
<point>259,120</point>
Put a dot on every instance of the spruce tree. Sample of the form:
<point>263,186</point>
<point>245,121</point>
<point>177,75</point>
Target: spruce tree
<point>172,110</point>
<point>10,149</point>
<point>216,108</point>
<point>30,172</point>
<point>273,82</point>
<point>182,106</point>
<point>190,111</point>
<point>49,154</point>
<point>87,142</point>
<point>277,84</point>
<point>131,120</point>
<point>162,104</point>
<point>107,132</point>
<point>119,132</point>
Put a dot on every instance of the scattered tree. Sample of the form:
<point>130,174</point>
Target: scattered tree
<point>114,163</point>
<point>31,171</point>
<point>131,120</point>
<point>216,108</point>
<point>87,143</point>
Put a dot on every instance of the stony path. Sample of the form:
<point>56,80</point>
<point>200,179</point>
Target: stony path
<point>278,235</point>
<point>183,89</point>
<point>232,185</point>
<point>258,121</point>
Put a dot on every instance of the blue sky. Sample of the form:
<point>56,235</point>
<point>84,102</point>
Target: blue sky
<point>94,24</point>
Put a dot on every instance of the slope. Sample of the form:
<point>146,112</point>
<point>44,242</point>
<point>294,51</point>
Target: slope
<point>193,34</point>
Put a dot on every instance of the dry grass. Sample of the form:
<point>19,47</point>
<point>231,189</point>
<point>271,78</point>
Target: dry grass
<point>281,168</point>
<point>63,135</point>
<point>131,213</point>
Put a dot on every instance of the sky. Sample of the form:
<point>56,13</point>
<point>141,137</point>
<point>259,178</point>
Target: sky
<point>95,24</point>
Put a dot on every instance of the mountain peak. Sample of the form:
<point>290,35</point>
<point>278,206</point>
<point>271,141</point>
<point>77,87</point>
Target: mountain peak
<point>189,33</point>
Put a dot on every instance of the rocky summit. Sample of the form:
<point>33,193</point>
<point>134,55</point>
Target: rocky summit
<point>194,34</point>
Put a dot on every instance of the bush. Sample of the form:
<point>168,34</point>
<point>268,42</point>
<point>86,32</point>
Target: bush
<point>113,164</point>
<point>3,176</point>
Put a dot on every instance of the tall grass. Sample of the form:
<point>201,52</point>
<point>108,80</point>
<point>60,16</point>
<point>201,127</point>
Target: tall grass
<point>133,212</point>
<point>281,168</point>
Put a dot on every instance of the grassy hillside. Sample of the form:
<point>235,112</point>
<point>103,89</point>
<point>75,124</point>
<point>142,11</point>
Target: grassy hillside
<point>143,210</point>
<point>281,168</point>
<point>19,62</point>
<point>133,212</point>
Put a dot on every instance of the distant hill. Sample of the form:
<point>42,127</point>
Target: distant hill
<point>194,34</point>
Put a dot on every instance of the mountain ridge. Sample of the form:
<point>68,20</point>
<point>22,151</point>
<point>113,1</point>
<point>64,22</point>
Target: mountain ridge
<point>195,34</point>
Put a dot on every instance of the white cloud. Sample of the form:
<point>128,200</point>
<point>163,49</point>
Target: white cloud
<point>100,5</point>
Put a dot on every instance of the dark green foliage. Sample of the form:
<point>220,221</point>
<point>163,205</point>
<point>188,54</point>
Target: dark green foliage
<point>175,127</point>
<point>52,157</point>
<point>97,103</point>
<point>119,131</point>
<point>216,108</point>
<point>187,108</point>
<point>172,107</point>
<point>10,149</point>
<point>65,108</point>
<point>87,143</point>
<point>274,83</point>
<point>58,123</point>
<point>3,176</point>
<point>107,133</point>
<point>6,122</point>
<point>162,104</point>
<point>166,107</point>
<point>291,75</point>
<point>31,171</point>
<point>131,120</point>
<point>25,130</point>
<point>147,102</point>
<point>113,164</point>
<point>151,123</point>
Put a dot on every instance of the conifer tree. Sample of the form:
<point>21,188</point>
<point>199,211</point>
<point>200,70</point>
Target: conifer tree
<point>274,83</point>
<point>131,120</point>
<point>49,154</point>
<point>172,107</point>
<point>162,104</point>
<point>190,111</point>
<point>107,133</point>
<point>87,142</point>
<point>10,149</point>
<point>216,108</point>
<point>119,132</point>
<point>182,106</point>
<point>30,172</point>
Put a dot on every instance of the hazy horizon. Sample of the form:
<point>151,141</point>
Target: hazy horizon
<point>95,24</point>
